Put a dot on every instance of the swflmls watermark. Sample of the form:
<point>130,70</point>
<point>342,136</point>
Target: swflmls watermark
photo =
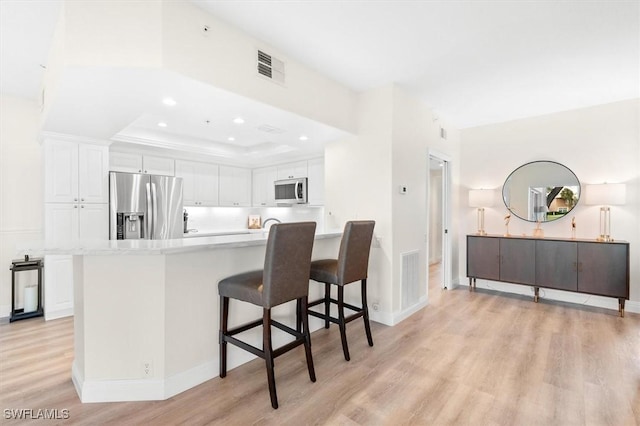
<point>36,414</point>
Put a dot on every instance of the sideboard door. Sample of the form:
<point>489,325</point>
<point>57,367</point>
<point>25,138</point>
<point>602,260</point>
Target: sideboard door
<point>603,269</point>
<point>483,257</point>
<point>518,261</point>
<point>556,265</point>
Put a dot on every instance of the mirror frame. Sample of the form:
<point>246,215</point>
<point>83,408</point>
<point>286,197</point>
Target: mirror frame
<point>504,186</point>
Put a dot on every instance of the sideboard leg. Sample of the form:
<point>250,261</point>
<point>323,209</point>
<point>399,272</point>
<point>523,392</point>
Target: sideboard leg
<point>621,307</point>
<point>471,281</point>
<point>536,294</point>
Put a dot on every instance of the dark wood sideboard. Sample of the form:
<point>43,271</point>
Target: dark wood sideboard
<point>581,266</point>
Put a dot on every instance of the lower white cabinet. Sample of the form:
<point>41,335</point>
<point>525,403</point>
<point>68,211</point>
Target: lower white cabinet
<point>68,222</point>
<point>58,287</point>
<point>235,186</point>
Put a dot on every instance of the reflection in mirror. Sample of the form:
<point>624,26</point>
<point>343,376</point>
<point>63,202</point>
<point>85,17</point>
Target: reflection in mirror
<point>541,191</point>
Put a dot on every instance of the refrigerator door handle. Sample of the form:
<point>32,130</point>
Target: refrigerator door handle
<point>154,212</point>
<point>149,218</point>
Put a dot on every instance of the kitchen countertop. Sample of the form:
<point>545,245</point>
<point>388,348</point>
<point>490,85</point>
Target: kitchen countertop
<point>151,247</point>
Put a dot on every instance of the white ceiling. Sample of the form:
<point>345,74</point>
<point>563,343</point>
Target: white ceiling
<point>473,62</point>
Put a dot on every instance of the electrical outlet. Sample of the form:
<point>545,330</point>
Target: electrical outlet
<point>147,369</point>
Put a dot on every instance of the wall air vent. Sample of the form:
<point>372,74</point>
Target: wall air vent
<point>270,67</point>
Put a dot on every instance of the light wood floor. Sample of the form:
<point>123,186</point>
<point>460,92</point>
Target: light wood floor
<point>480,358</point>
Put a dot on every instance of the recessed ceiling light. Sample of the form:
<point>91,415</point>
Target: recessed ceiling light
<point>238,120</point>
<point>169,101</point>
<point>231,139</point>
<point>162,124</point>
<point>304,138</point>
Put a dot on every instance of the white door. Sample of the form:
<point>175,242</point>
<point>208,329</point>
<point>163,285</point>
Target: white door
<point>93,173</point>
<point>61,221</point>
<point>158,166</point>
<point>292,170</point>
<point>235,186</point>
<point>207,184</point>
<point>263,189</point>
<point>187,171</point>
<point>61,171</point>
<point>125,162</point>
<point>439,217</point>
<point>93,221</point>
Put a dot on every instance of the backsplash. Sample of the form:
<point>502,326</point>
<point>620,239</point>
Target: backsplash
<point>215,219</point>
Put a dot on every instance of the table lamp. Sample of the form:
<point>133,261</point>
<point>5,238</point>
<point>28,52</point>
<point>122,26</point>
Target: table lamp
<point>605,195</point>
<point>481,198</point>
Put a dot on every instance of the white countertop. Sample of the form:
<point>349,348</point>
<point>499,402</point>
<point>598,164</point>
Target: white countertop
<point>146,247</point>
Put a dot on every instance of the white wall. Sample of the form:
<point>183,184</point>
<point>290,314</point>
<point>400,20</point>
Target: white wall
<point>599,144</point>
<point>21,185</point>
<point>363,175</point>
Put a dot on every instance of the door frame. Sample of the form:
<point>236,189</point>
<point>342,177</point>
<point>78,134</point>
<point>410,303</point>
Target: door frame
<point>447,272</point>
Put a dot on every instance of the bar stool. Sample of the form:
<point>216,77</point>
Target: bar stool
<point>285,277</point>
<point>351,266</point>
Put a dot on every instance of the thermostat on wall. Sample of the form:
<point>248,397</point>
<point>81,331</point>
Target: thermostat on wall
<point>403,189</point>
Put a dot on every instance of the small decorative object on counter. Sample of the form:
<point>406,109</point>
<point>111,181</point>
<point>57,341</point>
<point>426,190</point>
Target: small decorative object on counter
<point>507,218</point>
<point>573,228</point>
<point>538,232</point>
<point>254,221</point>
<point>185,220</point>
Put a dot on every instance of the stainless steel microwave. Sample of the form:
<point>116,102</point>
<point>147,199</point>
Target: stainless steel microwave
<point>291,191</point>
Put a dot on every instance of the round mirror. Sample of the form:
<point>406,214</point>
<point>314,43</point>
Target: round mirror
<point>541,191</point>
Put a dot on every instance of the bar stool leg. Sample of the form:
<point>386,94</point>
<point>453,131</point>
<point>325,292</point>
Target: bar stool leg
<point>299,313</point>
<point>365,312</point>
<point>307,338</point>
<point>268,355</point>
<point>224,314</point>
<point>327,303</point>
<point>341,322</point>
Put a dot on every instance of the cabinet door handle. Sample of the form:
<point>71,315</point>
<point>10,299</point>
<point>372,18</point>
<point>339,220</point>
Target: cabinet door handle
<point>139,170</point>
<point>579,266</point>
<point>75,206</point>
<point>81,199</point>
<point>145,171</point>
<point>82,207</point>
<point>75,199</point>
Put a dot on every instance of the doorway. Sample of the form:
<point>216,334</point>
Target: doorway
<point>438,220</point>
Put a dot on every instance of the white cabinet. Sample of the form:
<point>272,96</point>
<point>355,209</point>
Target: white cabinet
<point>235,186</point>
<point>292,170</point>
<point>199,183</point>
<point>76,207</point>
<point>263,189</point>
<point>137,163</point>
<point>315,184</point>
<point>58,287</point>
<point>76,172</point>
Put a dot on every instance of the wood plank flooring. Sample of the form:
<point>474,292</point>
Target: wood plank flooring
<point>482,358</point>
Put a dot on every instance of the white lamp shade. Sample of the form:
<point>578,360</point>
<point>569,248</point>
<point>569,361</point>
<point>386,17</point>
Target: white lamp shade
<point>481,197</point>
<point>606,194</point>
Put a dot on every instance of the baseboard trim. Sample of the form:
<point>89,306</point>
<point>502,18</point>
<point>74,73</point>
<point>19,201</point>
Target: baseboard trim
<point>560,296</point>
<point>62,313</point>
<point>141,389</point>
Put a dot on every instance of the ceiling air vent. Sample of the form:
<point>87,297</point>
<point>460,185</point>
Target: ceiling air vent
<point>270,67</point>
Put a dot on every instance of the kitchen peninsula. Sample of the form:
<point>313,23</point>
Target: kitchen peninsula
<point>146,311</point>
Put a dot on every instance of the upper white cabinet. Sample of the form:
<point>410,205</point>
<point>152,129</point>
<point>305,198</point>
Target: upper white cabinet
<point>137,163</point>
<point>315,184</point>
<point>263,188</point>
<point>235,186</point>
<point>200,183</point>
<point>292,170</point>
<point>76,172</point>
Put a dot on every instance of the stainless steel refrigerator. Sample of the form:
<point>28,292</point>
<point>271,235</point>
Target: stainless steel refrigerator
<point>144,206</point>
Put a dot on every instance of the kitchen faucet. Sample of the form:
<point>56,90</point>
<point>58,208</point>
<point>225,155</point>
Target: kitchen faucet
<point>267,220</point>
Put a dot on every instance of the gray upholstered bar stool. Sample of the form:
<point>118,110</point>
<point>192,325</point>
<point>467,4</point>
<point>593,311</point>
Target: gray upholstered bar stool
<point>350,266</point>
<point>285,277</point>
